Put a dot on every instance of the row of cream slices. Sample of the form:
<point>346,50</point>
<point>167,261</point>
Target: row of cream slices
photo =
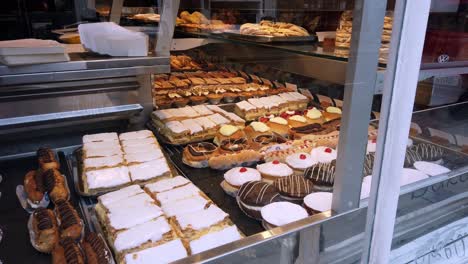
<point>111,161</point>
<point>254,108</point>
<point>167,220</point>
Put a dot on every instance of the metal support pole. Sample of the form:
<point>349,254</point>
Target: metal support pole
<point>401,76</point>
<point>361,74</point>
<point>166,27</point>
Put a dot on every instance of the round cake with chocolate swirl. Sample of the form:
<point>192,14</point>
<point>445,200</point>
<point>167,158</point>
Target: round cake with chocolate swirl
<point>294,188</point>
<point>423,152</point>
<point>322,175</point>
<point>252,196</point>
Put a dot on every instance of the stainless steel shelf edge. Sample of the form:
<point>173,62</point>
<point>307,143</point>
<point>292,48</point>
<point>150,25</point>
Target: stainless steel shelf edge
<point>23,121</point>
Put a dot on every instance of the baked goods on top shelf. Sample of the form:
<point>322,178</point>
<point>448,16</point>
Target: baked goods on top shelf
<point>148,17</point>
<point>197,22</point>
<point>273,29</point>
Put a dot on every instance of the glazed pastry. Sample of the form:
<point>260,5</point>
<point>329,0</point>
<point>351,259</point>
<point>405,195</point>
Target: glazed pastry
<point>282,213</point>
<point>228,132</point>
<point>423,152</point>
<point>45,230</point>
<point>196,155</point>
<point>273,170</point>
<point>279,125</point>
<point>297,121</point>
<point>46,159</point>
<point>67,252</point>
<point>34,187</point>
<point>318,202</point>
<point>235,177</point>
<point>332,113</point>
<point>95,250</point>
<point>314,116</point>
<point>252,196</point>
<point>299,162</point>
<point>257,129</point>
<point>294,188</point>
<point>54,183</point>
<point>322,175</point>
<point>70,223</point>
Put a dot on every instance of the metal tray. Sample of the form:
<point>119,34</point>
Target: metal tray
<point>267,39</point>
<point>77,165</point>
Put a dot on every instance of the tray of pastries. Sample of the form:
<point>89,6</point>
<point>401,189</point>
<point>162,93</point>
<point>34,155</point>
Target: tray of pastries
<point>269,31</point>
<point>162,222</point>
<point>197,22</point>
<point>108,162</point>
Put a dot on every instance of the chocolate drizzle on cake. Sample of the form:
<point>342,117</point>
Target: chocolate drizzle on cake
<point>294,186</point>
<point>67,214</point>
<point>43,219</point>
<point>234,145</point>
<point>49,180</point>
<point>369,164</point>
<point>200,149</point>
<point>423,152</point>
<point>258,193</point>
<point>99,247</point>
<point>71,251</point>
<point>321,173</point>
<point>45,154</point>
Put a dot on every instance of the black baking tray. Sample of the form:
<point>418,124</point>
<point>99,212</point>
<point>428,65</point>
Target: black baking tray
<point>15,246</point>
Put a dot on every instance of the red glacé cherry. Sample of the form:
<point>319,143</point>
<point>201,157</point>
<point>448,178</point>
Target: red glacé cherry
<point>302,156</point>
<point>374,140</point>
<point>243,169</point>
<point>328,150</point>
<point>284,115</point>
<point>263,119</point>
<point>275,162</point>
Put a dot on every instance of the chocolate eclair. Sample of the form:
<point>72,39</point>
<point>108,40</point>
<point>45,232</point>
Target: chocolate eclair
<point>233,153</point>
<point>233,145</point>
<point>67,252</point>
<point>54,183</point>
<point>46,159</point>
<point>423,152</point>
<point>294,188</point>
<point>322,175</point>
<point>45,230</point>
<point>95,249</point>
<point>252,196</point>
<point>197,154</point>
<point>69,221</point>
<point>34,187</point>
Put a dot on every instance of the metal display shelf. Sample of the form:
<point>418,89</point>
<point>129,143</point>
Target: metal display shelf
<point>84,66</point>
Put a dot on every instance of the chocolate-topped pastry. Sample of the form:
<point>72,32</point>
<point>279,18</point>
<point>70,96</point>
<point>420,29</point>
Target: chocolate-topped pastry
<point>197,154</point>
<point>252,196</point>
<point>95,249</point>
<point>46,159</point>
<point>233,153</point>
<point>55,185</point>
<point>67,252</point>
<point>423,152</point>
<point>316,129</point>
<point>70,223</point>
<point>294,188</point>
<point>368,164</point>
<point>233,145</point>
<point>44,227</point>
<point>34,187</point>
<point>322,175</point>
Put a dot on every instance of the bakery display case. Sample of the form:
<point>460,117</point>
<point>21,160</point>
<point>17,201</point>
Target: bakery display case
<point>259,133</point>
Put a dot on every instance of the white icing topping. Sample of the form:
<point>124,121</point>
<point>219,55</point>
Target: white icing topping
<point>366,187</point>
<point>429,168</point>
<point>188,205</point>
<point>228,130</point>
<point>109,177</point>
<point>319,201</point>
<point>139,142</point>
<point>412,175</point>
<point>218,119</point>
<point>166,184</point>
<point>279,120</point>
<point>162,254</point>
<point>298,118</point>
<point>102,162</point>
<point>177,194</point>
<point>409,143</point>
<point>245,106</point>
<point>205,122</point>
<point>121,194</point>
<point>295,160</point>
<point>144,156</point>
<point>202,110</point>
<point>371,146</point>
<point>234,117</point>
<point>101,145</point>
<point>136,135</point>
<point>192,126</point>
<point>176,127</point>
<point>256,103</point>
<point>314,113</point>
<point>290,112</point>
<point>103,152</point>
<point>237,176</point>
<point>320,155</point>
<point>141,148</point>
<point>152,230</point>
<point>215,239</point>
<point>259,127</point>
<point>298,95</point>
<point>148,170</point>
<point>100,137</point>
<point>201,219</point>
<point>333,110</point>
<point>275,170</point>
<point>281,213</point>
<point>163,114</point>
<point>186,111</point>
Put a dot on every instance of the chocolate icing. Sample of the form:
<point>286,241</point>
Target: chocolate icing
<point>368,164</point>
<point>309,129</point>
<point>234,145</point>
<point>99,247</point>
<point>423,152</point>
<point>39,179</point>
<point>66,214</point>
<point>43,219</point>
<point>264,139</point>
<point>45,154</point>
<point>71,251</point>
<point>294,186</point>
<point>258,193</point>
<point>202,148</point>
<point>321,173</point>
<point>49,180</point>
